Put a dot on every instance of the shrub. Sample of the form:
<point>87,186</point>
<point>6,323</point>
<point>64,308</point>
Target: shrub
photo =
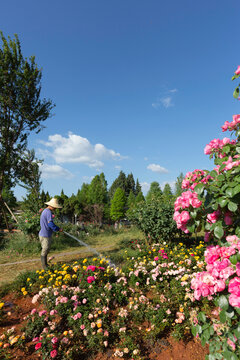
<point>155,219</point>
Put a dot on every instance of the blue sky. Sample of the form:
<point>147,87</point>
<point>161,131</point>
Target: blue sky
<point>139,86</point>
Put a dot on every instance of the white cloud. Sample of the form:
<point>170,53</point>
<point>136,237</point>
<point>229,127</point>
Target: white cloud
<point>76,149</point>
<point>157,168</point>
<point>54,171</point>
<point>145,187</point>
<point>166,100</point>
<point>118,167</point>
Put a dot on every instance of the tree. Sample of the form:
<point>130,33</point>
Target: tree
<point>117,210</point>
<point>131,200</point>
<point>154,191</point>
<point>21,110</point>
<point>167,192</point>
<point>138,188</point>
<point>130,184</point>
<point>119,182</point>
<point>140,197</point>
<point>97,193</point>
<point>32,183</point>
<point>178,185</point>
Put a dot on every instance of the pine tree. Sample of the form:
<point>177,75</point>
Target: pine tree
<point>117,210</point>
<point>119,182</point>
<point>178,185</point>
<point>138,188</point>
<point>130,184</point>
<point>154,191</point>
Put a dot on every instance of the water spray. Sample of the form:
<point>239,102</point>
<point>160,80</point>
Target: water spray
<point>111,264</point>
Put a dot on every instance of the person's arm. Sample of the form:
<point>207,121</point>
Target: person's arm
<point>51,224</point>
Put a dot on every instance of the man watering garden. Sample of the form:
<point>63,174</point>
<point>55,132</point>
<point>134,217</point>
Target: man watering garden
<point>47,228</point>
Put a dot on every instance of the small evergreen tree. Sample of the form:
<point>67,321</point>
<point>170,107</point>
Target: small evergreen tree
<point>117,209</point>
<point>154,191</point>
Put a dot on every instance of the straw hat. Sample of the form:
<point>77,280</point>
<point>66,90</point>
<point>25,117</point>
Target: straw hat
<point>54,203</point>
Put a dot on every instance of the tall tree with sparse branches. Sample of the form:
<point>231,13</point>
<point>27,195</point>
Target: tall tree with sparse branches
<point>22,111</point>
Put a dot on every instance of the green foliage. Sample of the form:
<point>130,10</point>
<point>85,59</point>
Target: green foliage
<point>178,185</point>
<point>117,210</point>
<point>29,223</point>
<point>154,192</point>
<point>155,219</point>
<point>21,109</point>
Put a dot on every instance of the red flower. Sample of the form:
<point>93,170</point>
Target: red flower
<point>38,346</point>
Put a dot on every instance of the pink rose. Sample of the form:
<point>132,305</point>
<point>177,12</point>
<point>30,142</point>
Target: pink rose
<point>90,279</point>
<point>185,216</point>
<point>53,354</point>
<point>91,267</point>
<point>237,72</point>
<point>234,300</point>
<point>234,286</point>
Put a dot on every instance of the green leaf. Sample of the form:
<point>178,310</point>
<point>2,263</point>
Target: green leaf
<point>201,317</point>
<point>226,149</point>
<point>223,316</point>
<point>213,173</point>
<point>232,206</point>
<point>223,302</point>
<point>229,355</point>
<point>211,357</point>
<point>199,189</point>
<point>236,93</point>
<point>238,149</point>
<point>233,259</point>
<point>230,192</point>
<point>237,332</point>
<point>218,231</point>
<point>194,330</point>
<point>237,189</point>
<point>223,202</point>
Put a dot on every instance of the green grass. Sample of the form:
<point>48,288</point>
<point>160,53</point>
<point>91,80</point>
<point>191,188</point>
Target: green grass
<point>16,247</point>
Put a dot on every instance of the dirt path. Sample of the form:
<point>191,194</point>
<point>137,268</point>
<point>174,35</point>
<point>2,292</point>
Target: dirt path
<point>10,270</point>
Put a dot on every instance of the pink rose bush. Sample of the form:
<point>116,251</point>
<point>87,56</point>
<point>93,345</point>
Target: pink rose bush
<point>218,216</point>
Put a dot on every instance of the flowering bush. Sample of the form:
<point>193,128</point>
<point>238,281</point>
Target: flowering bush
<point>211,202</point>
<point>29,223</point>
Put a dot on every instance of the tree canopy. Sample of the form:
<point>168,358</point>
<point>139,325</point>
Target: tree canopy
<point>21,110</point>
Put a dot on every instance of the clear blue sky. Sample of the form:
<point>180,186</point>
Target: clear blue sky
<point>148,80</point>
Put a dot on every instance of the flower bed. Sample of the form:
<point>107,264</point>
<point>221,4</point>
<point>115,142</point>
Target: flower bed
<point>90,307</point>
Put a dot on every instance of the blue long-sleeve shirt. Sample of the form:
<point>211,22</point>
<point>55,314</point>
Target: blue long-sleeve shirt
<point>47,224</point>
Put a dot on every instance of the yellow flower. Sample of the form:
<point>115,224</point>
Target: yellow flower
<point>84,261</point>
<point>23,289</point>
<point>65,333</point>
<point>28,279</point>
<point>1,304</point>
<point>25,293</point>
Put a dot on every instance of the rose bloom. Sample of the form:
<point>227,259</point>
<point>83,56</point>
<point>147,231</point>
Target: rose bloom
<point>53,354</point>
<point>38,346</point>
<point>237,72</point>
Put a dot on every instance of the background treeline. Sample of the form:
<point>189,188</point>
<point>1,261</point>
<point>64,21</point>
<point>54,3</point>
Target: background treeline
<point>95,202</point>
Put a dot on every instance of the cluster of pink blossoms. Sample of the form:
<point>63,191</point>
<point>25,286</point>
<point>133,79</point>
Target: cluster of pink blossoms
<point>194,178</point>
<point>231,125</point>
<point>219,270</point>
<point>186,200</point>
<point>216,145</point>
